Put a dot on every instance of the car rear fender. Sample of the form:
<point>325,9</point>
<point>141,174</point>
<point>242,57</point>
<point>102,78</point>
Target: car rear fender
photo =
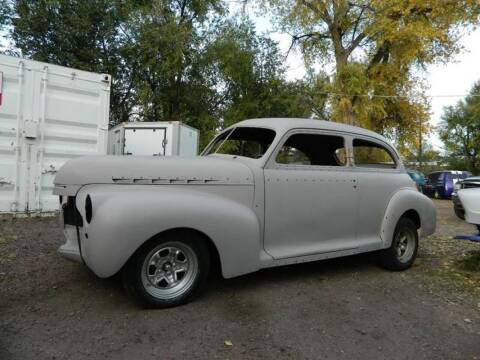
<point>404,200</point>
<point>123,218</point>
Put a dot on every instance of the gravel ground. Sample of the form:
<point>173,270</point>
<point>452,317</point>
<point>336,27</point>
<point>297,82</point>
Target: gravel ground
<point>340,309</point>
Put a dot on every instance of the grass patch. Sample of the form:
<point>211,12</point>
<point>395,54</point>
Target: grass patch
<point>471,261</point>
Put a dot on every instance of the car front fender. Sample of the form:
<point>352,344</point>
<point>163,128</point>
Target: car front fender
<point>124,217</point>
<point>402,201</point>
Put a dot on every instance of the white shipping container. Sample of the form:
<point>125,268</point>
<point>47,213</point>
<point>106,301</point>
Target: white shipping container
<point>162,138</point>
<point>48,114</point>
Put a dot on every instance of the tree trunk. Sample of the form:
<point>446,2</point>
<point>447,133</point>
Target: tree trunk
<point>347,101</point>
<point>420,145</point>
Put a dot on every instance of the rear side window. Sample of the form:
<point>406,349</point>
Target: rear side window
<point>313,149</point>
<point>369,154</point>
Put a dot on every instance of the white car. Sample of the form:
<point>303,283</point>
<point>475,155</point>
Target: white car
<point>470,201</point>
<point>264,193</point>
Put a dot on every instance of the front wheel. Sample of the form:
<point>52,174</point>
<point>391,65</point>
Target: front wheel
<point>167,271</point>
<point>403,251</point>
<point>460,213</point>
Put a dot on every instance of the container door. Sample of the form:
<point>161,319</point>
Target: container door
<point>48,115</point>
<point>145,141</point>
<point>72,119</point>
<point>13,157</point>
<point>188,141</point>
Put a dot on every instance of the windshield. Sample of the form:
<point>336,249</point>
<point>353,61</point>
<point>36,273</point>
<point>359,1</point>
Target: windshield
<point>242,141</point>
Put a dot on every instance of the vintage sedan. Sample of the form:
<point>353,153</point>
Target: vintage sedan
<point>264,193</point>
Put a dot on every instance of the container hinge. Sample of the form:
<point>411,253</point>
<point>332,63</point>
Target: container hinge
<point>51,170</point>
<point>5,182</point>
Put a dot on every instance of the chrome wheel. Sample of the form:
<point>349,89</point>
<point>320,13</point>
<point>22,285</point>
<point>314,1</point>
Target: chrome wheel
<point>405,242</point>
<point>169,270</point>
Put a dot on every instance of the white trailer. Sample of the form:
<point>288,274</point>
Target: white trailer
<point>162,138</point>
<point>48,114</point>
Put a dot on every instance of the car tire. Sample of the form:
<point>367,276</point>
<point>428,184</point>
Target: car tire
<point>168,270</point>
<point>402,252</point>
<point>460,213</point>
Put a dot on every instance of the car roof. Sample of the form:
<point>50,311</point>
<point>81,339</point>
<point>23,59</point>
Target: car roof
<point>449,171</point>
<point>281,125</point>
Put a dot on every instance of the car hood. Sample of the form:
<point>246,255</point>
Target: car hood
<point>153,170</point>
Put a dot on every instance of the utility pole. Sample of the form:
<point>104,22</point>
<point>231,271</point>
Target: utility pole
<point>420,143</point>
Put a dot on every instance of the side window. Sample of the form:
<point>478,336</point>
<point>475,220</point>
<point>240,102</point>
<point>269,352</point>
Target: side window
<point>370,154</point>
<point>313,149</point>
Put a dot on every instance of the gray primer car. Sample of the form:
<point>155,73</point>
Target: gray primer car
<point>264,193</point>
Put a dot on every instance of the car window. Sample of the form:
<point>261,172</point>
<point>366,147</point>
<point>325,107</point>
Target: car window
<point>369,154</point>
<point>433,177</point>
<point>313,149</point>
<point>242,141</point>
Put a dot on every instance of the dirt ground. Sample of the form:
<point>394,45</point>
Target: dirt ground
<point>340,309</point>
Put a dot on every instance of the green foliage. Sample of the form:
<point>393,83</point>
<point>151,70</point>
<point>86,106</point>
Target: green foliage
<point>377,47</point>
<point>460,132</point>
<point>471,261</point>
<point>184,60</point>
<point>86,35</point>
<point>5,13</point>
<point>169,60</point>
<point>171,81</point>
<point>249,69</point>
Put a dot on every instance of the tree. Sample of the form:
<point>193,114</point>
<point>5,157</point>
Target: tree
<point>460,131</point>
<point>376,46</point>
<point>251,77</point>
<point>5,13</point>
<point>5,16</point>
<point>172,82</point>
<point>86,35</point>
<point>169,59</point>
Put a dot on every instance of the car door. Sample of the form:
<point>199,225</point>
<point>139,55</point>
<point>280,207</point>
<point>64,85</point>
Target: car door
<point>378,174</point>
<point>310,195</point>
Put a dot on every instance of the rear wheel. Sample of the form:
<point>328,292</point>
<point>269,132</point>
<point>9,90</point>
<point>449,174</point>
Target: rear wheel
<point>168,271</point>
<point>402,252</point>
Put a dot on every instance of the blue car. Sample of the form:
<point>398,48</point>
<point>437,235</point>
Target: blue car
<point>441,184</point>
